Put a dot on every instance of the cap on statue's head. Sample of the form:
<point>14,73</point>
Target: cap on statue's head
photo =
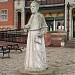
<point>35,3</point>
<point>34,6</point>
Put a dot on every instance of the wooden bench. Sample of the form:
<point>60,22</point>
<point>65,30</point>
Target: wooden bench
<point>5,50</point>
<point>14,47</point>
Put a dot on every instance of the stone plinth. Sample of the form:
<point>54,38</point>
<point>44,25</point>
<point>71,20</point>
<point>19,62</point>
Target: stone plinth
<point>45,72</point>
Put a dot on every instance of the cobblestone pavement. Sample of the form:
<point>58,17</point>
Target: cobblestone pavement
<point>62,60</point>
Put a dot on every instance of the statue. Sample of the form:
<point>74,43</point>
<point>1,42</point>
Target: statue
<point>35,59</point>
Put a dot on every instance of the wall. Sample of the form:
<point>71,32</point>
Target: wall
<point>19,8</point>
<point>54,39</point>
<point>9,6</point>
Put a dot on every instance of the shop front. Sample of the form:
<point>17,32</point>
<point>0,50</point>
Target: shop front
<point>56,26</point>
<point>55,20</point>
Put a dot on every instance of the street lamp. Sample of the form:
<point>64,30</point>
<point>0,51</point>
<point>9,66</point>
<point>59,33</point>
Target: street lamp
<point>68,8</point>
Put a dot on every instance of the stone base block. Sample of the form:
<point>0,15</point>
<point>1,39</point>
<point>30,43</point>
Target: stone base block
<point>45,72</point>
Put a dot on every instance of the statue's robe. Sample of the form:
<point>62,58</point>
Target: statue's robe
<point>35,57</point>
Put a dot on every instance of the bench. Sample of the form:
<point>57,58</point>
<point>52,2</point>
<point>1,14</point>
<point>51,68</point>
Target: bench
<point>15,47</point>
<point>5,50</point>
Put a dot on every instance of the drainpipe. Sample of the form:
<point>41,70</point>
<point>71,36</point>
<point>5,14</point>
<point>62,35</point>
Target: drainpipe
<point>68,8</point>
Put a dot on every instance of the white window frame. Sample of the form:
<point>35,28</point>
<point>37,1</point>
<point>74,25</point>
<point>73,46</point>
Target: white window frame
<point>5,19</point>
<point>3,0</point>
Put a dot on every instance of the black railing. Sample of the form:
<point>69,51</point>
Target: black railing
<point>13,36</point>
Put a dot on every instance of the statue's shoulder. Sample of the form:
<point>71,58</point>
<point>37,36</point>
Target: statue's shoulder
<point>41,15</point>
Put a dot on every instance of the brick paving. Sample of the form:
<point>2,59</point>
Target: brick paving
<point>61,60</point>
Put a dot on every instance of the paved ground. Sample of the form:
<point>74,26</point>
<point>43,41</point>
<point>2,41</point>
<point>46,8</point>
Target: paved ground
<point>61,60</point>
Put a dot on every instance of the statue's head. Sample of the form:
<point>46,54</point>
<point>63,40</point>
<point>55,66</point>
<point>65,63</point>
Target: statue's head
<point>34,7</point>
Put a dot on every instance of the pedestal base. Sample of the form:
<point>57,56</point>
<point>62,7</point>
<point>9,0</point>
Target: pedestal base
<point>45,72</point>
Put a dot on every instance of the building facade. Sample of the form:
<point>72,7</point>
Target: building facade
<point>60,18</point>
<point>59,15</point>
<point>70,17</point>
<point>54,13</point>
<point>12,14</point>
<point>19,14</point>
<point>6,14</point>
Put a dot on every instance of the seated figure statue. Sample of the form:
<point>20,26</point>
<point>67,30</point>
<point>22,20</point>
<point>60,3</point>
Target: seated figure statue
<point>35,57</point>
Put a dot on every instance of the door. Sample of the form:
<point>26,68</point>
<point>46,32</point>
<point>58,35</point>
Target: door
<point>19,20</point>
<point>74,27</point>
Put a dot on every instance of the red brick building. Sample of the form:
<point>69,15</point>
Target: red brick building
<point>6,14</point>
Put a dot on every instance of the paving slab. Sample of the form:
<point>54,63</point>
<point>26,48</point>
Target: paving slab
<point>59,59</point>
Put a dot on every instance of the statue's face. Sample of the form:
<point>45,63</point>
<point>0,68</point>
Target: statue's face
<point>34,8</point>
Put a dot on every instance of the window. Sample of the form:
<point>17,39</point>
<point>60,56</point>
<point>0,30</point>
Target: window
<point>60,25</point>
<point>4,15</point>
<point>50,24</point>
<point>3,0</point>
<point>55,24</point>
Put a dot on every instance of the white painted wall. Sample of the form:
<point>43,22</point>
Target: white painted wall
<point>20,7</point>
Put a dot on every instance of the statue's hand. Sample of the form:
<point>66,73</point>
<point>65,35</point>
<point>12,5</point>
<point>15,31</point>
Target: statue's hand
<point>26,26</point>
